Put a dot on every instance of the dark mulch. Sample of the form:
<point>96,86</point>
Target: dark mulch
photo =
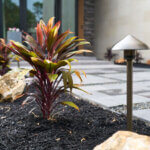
<point>21,129</point>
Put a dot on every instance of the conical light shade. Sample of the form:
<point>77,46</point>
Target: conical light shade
<point>130,43</point>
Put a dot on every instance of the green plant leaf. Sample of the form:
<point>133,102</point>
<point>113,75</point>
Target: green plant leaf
<point>50,23</point>
<point>72,59</point>
<point>37,61</point>
<point>77,87</point>
<point>71,104</point>
<point>75,52</point>
<point>70,81</point>
<point>64,45</point>
<point>60,39</point>
<point>32,54</point>
<point>20,48</point>
<point>63,63</point>
<point>49,65</point>
<point>32,73</point>
<point>65,78</point>
<point>52,36</point>
<point>79,44</point>
<point>52,77</point>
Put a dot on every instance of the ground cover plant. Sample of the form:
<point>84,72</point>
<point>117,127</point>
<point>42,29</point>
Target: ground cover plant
<point>48,55</point>
<point>4,57</point>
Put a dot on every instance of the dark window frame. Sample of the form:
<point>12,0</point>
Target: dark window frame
<point>1,19</point>
<point>23,15</point>
<point>58,12</point>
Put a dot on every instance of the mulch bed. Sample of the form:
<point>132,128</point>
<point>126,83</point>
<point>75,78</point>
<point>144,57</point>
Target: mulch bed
<point>22,128</point>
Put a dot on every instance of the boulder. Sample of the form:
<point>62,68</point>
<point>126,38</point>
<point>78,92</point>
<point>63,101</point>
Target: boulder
<point>12,84</point>
<point>125,140</point>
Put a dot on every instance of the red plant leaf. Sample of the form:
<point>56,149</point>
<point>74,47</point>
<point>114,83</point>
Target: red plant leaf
<point>39,35</point>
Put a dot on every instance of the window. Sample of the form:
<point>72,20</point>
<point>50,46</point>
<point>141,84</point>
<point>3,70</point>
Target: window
<point>11,14</point>
<point>25,14</point>
<point>68,15</point>
<point>34,14</point>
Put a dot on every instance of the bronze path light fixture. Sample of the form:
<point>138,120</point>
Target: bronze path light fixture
<point>129,44</point>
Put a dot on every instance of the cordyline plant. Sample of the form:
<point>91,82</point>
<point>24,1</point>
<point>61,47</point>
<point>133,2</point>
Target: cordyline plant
<point>48,55</point>
<point>4,59</point>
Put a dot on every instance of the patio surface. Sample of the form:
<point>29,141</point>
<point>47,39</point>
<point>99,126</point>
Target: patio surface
<point>107,83</point>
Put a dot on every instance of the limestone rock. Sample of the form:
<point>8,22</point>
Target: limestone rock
<point>12,84</point>
<point>124,140</point>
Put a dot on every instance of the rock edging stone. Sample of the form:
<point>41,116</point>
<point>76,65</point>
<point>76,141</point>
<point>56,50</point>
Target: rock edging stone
<point>125,140</point>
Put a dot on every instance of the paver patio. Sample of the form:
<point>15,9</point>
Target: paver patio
<point>107,83</point>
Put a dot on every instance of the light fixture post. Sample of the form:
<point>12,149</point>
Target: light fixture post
<point>129,55</point>
<point>129,44</point>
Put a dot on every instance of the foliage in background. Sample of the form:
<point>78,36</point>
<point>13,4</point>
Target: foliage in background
<point>138,57</point>
<point>49,55</point>
<point>12,15</point>
<point>4,59</point>
<point>109,55</point>
<point>120,61</point>
<point>38,10</point>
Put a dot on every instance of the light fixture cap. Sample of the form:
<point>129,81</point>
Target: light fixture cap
<point>130,43</point>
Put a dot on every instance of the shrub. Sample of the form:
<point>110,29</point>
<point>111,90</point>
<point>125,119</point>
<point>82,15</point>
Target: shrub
<point>4,59</point>
<point>48,55</point>
<point>138,57</point>
<point>148,62</point>
<point>109,55</point>
<point>120,61</point>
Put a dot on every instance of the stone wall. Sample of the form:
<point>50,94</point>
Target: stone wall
<point>89,17</point>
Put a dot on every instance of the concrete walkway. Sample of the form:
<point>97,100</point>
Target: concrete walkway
<point>107,83</point>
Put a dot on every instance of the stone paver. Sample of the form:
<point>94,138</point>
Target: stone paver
<point>108,66</point>
<point>108,100</point>
<point>143,114</point>
<point>92,79</point>
<point>107,83</point>
<point>137,76</point>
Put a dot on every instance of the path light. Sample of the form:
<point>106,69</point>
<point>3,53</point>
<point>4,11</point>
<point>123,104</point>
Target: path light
<point>129,44</point>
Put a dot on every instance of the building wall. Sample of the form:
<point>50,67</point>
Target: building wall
<point>116,19</point>
<point>89,17</point>
<point>48,9</point>
<point>68,17</point>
